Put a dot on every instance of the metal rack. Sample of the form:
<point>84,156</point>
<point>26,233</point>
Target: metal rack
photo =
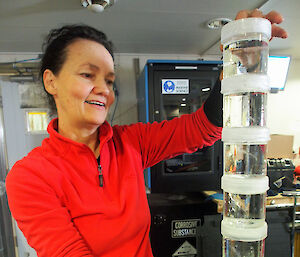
<point>295,251</point>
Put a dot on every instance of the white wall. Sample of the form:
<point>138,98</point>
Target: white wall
<point>284,107</point>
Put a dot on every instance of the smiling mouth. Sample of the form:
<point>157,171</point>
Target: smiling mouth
<point>95,103</point>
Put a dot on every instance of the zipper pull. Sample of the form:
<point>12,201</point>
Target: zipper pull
<point>100,175</point>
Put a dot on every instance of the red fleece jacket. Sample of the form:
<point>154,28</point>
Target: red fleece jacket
<point>54,191</point>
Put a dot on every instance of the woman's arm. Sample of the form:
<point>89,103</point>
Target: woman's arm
<point>213,106</point>
<point>42,218</point>
<point>164,140</point>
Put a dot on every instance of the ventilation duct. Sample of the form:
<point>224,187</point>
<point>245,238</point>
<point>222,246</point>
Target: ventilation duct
<point>20,71</point>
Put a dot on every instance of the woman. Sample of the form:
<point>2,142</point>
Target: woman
<point>82,192</point>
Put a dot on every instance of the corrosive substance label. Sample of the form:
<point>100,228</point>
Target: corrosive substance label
<point>184,228</point>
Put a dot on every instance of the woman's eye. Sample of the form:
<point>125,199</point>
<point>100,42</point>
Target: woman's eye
<point>86,75</point>
<point>110,82</point>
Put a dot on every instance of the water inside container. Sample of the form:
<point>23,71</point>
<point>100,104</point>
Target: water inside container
<point>244,210</point>
<point>246,56</point>
<point>233,248</point>
<point>245,109</point>
<point>245,159</point>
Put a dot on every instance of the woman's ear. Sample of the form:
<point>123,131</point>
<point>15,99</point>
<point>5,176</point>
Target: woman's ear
<point>49,82</point>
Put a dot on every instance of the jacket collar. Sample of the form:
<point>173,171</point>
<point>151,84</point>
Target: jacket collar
<point>64,145</point>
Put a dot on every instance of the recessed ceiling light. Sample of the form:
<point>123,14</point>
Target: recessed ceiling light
<point>97,5</point>
<point>217,23</point>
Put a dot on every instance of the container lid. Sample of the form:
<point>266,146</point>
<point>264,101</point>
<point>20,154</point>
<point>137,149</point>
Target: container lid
<point>243,26</point>
<point>243,83</point>
<point>246,135</point>
<point>246,234</point>
<point>245,184</point>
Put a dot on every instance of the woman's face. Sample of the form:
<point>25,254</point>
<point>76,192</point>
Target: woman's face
<point>83,88</point>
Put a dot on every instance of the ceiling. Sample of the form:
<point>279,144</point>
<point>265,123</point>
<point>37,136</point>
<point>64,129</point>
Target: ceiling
<point>140,26</point>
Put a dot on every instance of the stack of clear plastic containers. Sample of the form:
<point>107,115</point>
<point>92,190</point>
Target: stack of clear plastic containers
<point>245,87</point>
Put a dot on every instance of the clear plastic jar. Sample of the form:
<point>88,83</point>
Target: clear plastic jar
<point>245,209</point>
<point>245,159</point>
<point>246,46</point>
<point>244,199</point>
<point>245,100</point>
<point>245,86</point>
<point>245,150</point>
<point>245,109</point>
<point>249,54</point>
<point>243,241</point>
<point>234,248</point>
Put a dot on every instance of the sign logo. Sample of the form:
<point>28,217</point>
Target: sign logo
<point>169,86</point>
<point>174,86</point>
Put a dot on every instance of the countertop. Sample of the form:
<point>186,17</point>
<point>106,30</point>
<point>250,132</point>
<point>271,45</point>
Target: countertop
<point>273,202</point>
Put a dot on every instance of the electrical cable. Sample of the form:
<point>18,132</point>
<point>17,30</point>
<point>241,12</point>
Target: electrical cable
<point>116,103</point>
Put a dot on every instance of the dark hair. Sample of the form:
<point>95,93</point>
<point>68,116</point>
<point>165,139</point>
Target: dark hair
<point>55,48</point>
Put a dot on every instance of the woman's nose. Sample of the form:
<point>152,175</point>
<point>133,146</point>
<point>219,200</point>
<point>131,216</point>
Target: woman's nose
<point>101,87</point>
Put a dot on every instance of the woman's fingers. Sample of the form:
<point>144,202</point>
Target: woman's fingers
<point>278,32</point>
<point>242,14</point>
<point>274,17</point>
<point>256,13</point>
